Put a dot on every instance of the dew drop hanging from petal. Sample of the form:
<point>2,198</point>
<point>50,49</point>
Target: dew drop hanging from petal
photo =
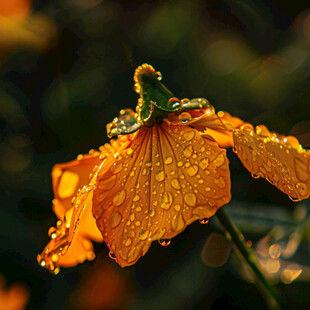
<point>204,221</point>
<point>164,242</point>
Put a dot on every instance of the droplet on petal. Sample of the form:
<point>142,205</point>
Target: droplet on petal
<point>115,219</point>
<point>160,176</point>
<point>178,222</point>
<point>164,242</point>
<point>165,200</point>
<point>112,255</point>
<point>190,199</point>
<point>188,135</point>
<point>204,221</point>
<point>119,198</point>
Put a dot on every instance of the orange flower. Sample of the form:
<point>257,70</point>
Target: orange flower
<point>166,169</point>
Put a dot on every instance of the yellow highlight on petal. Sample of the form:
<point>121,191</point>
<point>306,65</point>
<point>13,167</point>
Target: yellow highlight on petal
<point>67,185</point>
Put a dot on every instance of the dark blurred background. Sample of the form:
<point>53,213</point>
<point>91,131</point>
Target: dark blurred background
<point>66,69</point>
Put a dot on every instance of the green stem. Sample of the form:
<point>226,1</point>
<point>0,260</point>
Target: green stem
<point>250,258</point>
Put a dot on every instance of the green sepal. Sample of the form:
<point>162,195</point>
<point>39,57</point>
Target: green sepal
<point>155,97</point>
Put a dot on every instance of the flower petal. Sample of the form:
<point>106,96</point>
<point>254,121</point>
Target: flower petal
<point>218,127</point>
<point>68,178</point>
<point>168,178</point>
<point>70,240</point>
<point>281,160</point>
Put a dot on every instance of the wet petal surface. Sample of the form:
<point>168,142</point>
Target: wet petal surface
<point>169,177</point>
<point>281,160</point>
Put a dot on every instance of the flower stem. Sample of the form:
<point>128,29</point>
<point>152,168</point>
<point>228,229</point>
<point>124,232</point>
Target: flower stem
<point>249,258</point>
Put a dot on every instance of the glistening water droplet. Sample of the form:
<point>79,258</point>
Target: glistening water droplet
<point>204,221</point>
<point>112,255</point>
<point>164,242</point>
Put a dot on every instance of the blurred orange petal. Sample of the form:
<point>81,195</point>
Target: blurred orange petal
<point>169,177</point>
<point>73,185</point>
<point>15,9</point>
<point>281,160</point>
<point>37,31</point>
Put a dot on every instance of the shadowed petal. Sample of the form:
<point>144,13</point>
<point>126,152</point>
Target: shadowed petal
<point>281,160</point>
<point>70,240</point>
<point>168,178</point>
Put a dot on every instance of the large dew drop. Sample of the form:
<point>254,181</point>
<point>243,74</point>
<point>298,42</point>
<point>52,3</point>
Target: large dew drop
<point>165,200</point>
<point>190,199</point>
<point>164,242</point>
<point>119,198</point>
<point>178,222</point>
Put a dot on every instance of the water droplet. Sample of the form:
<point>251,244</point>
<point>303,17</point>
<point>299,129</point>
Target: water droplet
<point>52,232</point>
<point>160,176</point>
<point>204,221</point>
<point>294,198</point>
<point>188,135</point>
<point>180,163</point>
<point>116,167</point>
<point>168,160</point>
<point>178,222</point>
<point>190,199</point>
<point>43,263</point>
<point>175,184</point>
<point>129,151</point>
<point>132,173</point>
<point>158,75</point>
<point>275,251</point>
<point>136,198</point>
<point>132,216</point>
<point>112,255</point>
<point>164,242</point>
<point>258,130</point>
<point>128,242</point>
<point>132,254</point>
<point>165,200</point>
<point>219,161</point>
<point>115,219</point>
<point>204,163</point>
<point>143,234</point>
<point>192,170</point>
<point>177,207</point>
<point>185,117</point>
<point>119,198</point>
<point>255,176</point>
<point>188,151</point>
<point>302,189</point>
<point>137,223</point>
<point>151,212</point>
<point>107,183</point>
<point>174,102</point>
<point>220,182</point>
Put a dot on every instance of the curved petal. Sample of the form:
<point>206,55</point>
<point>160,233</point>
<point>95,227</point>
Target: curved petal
<point>218,127</point>
<point>68,177</point>
<point>168,178</point>
<point>70,240</point>
<point>281,160</point>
